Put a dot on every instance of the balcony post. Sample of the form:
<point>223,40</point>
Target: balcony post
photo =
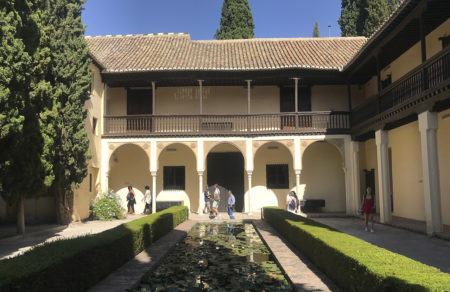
<point>200,84</point>
<point>296,101</point>
<point>428,124</point>
<point>153,124</point>
<point>248,104</point>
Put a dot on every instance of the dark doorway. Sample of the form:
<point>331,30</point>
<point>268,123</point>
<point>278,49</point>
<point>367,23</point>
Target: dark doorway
<point>139,102</point>
<point>370,180</point>
<point>287,104</point>
<point>227,170</point>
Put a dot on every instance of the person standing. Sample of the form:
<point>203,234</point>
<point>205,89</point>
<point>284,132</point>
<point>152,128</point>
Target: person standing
<point>291,202</point>
<point>231,202</point>
<point>147,200</point>
<point>207,196</point>
<point>216,200</point>
<point>131,198</point>
<point>368,206</point>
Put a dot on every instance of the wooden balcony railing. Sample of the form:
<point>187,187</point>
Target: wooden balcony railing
<point>427,76</point>
<point>176,125</point>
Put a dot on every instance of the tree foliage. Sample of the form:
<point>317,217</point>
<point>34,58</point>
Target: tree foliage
<point>43,86</point>
<point>316,32</point>
<point>363,17</point>
<point>236,21</point>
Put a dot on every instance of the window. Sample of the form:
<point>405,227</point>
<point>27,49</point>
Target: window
<point>94,126</point>
<point>174,178</point>
<point>445,41</point>
<point>277,176</point>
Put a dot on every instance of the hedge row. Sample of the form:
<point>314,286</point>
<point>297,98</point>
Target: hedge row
<point>354,264</point>
<point>79,263</point>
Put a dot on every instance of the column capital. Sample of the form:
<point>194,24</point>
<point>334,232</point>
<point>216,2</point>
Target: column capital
<point>249,172</point>
<point>153,173</point>
<point>427,121</point>
<point>355,146</point>
<point>200,173</point>
<point>298,171</point>
<point>381,137</point>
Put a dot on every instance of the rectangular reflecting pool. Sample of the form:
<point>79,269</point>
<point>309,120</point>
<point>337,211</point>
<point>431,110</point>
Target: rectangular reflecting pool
<point>224,257</point>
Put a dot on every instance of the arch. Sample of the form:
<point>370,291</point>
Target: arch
<point>129,165</point>
<point>178,154</point>
<point>337,143</point>
<point>322,162</point>
<point>237,146</point>
<point>287,144</point>
<point>225,164</point>
<point>269,153</point>
<point>113,147</point>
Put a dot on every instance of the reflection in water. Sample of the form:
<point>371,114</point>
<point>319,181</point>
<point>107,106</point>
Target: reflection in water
<point>218,257</point>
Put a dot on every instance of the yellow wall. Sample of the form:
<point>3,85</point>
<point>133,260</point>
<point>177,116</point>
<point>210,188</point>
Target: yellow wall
<point>83,196</point>
<point>407,172</point>
<point>183,156</point>
<point>41,210</point>
<point>323,177</point>
<point>129,165</point>
<point>370,88</point>
<point>261,195</point>
<point>443,140</point>
<point>329,98</point>
<point>403,64</point>
<point>434,45</point>
<point>368,161</point>
<point>116,101</point>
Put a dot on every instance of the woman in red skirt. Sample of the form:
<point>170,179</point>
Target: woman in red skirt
<point>368,208</point>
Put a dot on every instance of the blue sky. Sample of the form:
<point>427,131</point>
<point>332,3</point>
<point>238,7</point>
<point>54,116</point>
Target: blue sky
<point>200,18</point>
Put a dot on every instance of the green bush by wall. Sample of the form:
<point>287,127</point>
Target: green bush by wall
<point>354,264</point>
<point>79,263</point>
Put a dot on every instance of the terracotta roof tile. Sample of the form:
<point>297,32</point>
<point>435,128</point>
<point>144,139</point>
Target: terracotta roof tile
<point>174,52</point>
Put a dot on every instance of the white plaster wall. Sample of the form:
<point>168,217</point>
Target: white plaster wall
<point>129,165</point>
<point>261,195</point>
<point>323,177</point>
<point>182,156</point>
<point>407,183</point>
<point>443,142</point>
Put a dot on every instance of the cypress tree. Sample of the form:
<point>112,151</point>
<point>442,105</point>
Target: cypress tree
<point>316,32</point>
<point>353,17</point>
<point>24,60</point>
<point>377,12</point>
<point>236,21</point>
<point>70,83</point>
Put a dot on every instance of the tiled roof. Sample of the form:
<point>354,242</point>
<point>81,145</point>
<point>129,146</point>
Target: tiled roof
<point>177,52</point>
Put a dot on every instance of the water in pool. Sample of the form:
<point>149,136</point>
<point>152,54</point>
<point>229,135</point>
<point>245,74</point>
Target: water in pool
<point>219,257</point>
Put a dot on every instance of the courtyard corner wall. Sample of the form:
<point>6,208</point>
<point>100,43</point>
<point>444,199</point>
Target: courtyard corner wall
<point>368,161</point>
<point>90,186</point>
<point>404,143</point>
<point>443,141</point>
<point>329,98</point>
<point>323,176</point>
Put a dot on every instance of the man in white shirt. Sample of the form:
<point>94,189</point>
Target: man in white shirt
<point>216,200</point>
<point>147,199</point>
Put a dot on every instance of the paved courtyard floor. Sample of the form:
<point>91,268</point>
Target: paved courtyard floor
<point>431,251</point>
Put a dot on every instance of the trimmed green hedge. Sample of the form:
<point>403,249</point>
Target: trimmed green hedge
<point>354,264</point>
<point>79,263</point>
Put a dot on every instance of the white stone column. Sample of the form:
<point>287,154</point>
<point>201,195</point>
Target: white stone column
<point>249,170</point>
<point>384,188</point>
<point>200,171</point>
<point>297,166</point>
<point>249,177</point>
<point>104,171</point>
<point>153,171</point>
<point>428,124</point>
<point>200,193</point>
<point>354,146</point>
<point>348,172</point>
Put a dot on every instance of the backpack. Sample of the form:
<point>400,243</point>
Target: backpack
<point>292,204</point>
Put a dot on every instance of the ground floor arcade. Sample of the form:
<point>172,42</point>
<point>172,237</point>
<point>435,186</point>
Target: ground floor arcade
<point>259,171</point>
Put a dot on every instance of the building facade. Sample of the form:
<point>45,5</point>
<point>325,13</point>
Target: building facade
<point>325,117</point>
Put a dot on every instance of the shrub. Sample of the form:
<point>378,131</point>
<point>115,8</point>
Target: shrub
<point>79,263</point>
<point>108,207</point>
<point>352,263</point>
